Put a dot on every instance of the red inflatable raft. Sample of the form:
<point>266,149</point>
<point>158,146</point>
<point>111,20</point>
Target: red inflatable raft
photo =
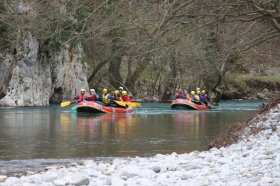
<point>94,107</point>
<point>187,105</point>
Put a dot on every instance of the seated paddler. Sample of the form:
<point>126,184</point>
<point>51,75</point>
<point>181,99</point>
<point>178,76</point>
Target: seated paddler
<point>106,97</point>
<point>81,96</point>
<point>93,96</point>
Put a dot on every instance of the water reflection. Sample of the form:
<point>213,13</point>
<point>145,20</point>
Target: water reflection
<point>91,127</point>
<point>190,121</point>
<point>58,133</point>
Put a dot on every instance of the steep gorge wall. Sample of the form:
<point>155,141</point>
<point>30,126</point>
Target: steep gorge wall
<point>36,79</point>
<point>29,77</point>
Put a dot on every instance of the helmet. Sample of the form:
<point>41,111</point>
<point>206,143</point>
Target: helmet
<point>117,92</point>
<point>197,89</point>
<point>92,90</point>
<point>105,90</point>
<point>192,92</point>
<point>83,90</point>
<point>124,93</point>
<point>203,91</point>
<point>198,92</point>
<point>120,88</point>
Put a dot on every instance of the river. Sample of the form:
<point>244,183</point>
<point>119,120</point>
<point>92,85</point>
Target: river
<point>54,133</point>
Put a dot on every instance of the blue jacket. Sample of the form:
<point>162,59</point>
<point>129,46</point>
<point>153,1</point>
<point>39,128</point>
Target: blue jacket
<point>202,99</point>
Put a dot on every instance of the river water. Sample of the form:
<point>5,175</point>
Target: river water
<point>54,133</point>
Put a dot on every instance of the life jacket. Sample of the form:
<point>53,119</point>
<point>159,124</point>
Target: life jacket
<point>117,97</point>
<point>126,98</point>
<point>179,96</point>
<point>196,99</point>
<point>106,98</point>
<point>92,97</point>
<point>80,97</point>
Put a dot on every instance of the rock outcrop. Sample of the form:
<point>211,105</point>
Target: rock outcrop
<point>30,77</point>
<point>37,79</point>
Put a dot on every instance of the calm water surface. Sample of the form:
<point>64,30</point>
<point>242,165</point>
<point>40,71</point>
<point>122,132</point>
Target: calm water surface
<point>59,133</point>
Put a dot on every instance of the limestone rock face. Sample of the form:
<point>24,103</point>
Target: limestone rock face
<point>36,80</point>
<point>6,66</point>
<point>68,73</point>
<point>30,77</point>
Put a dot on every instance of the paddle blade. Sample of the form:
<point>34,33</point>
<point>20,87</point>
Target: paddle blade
<point>121,103</point>
<point>131,104</point>
<point>65,103</point>
<point>134,104</point>
<point>74,107</point>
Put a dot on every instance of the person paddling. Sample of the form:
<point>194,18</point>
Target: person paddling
<point>186,94</point>
<point>195,98</point>
<point>93,96</point>
<point>117,96</point>
<point>81,96</point>
<point>205,96</point>
<point>106,97</point>
<point>125,97</point>
<point>201,97</point>
<point>179,95</point>
<point>120,91</point>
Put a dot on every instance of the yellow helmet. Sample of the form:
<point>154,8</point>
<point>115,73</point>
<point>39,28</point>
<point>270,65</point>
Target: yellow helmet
<point>192,92</point>
<point>105,90</point>
<point>117,92</point>
<point>197,89</point>
<point>198,92</point>
<point>124,93</point>
<point>83,90</point>
<point>203,91</point>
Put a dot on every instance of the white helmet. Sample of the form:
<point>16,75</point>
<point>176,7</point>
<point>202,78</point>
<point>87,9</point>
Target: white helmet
<point>92,90</point>
<point>120,88</point>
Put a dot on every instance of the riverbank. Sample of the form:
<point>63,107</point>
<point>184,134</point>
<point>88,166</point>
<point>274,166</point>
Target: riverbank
<point>254,160</point>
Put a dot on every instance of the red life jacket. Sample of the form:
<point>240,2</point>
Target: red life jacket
<point>92,98</point>
<point>80,97</point>
<point>179,96</point>
<point>126,98</point>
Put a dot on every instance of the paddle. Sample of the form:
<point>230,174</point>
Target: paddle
<point>65,103</point>
<point>134,104</point>
<point>125,104</point>
<point>121,103</point>
<point>74,107</point>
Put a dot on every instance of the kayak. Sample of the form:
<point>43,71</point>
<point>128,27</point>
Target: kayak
<point>94,107</point>
<point>187,105</point>
<point>130,103</point>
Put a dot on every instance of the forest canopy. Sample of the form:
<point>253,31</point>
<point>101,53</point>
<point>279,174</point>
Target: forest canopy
<point>150,47</point>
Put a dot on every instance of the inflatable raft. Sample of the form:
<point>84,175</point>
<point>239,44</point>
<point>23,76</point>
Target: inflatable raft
<point>187,105</point>
<point>94,107</point>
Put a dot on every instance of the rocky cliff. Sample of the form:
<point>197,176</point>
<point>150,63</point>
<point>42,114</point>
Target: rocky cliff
<point>33,79</point>
<point>30,77</point>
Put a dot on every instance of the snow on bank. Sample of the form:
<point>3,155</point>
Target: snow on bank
<point>255,160</point>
